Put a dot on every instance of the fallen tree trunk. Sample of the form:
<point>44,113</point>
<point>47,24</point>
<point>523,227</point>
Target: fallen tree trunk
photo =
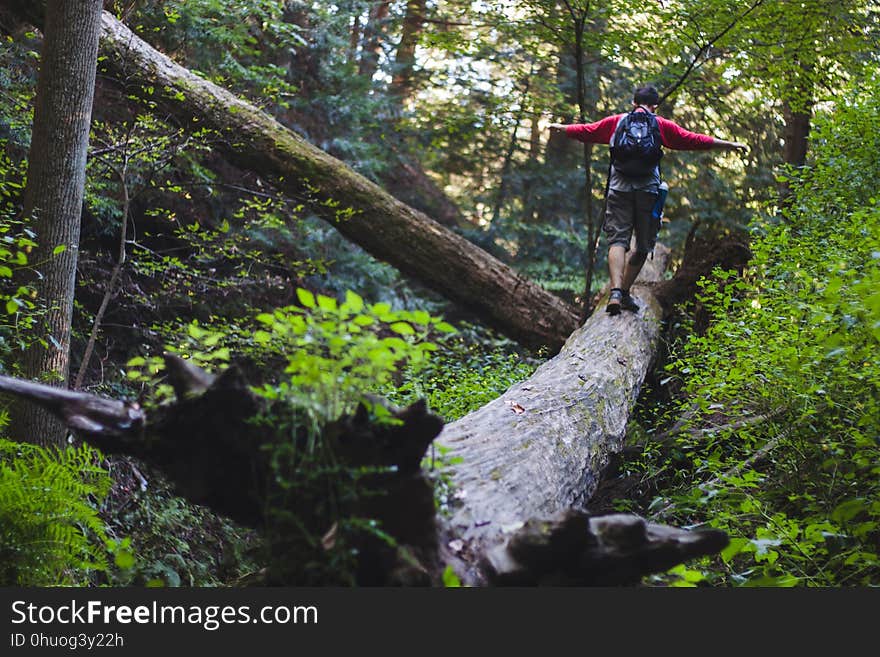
<point>361,210</point>
<point>538,451</point>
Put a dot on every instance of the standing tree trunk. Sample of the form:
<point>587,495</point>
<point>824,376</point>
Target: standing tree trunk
<point>404,63</point>
<point>797,110</point>
<point>373,32</point>
<point>580,15</point>
<point>509,154</point>
<point>354,38</point>
<point>797,131</point>
<point>797,117</point>
<point>590,255</point>
<point>54,194</point>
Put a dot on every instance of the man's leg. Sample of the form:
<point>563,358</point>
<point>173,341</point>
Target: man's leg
<point>619,207</point>
<point>646,227</point>
<point>631,270</point>
<point>616,265</point>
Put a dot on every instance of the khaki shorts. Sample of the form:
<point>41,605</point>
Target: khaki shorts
<point>626,212</point>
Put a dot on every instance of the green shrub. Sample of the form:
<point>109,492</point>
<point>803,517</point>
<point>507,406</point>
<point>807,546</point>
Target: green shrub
<point>170,542</point>
<point>326,355</point>
<point>781,450</point>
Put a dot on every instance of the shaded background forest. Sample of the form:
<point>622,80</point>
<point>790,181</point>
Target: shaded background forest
<point>761,417</point>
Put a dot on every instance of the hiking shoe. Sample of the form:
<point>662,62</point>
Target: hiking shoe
<point>628,303</point>
<point>613,307</point>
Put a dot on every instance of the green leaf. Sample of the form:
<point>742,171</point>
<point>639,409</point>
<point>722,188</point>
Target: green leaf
<point>733,548</point>
<point>421,317</point>
<point>402,328</point>
<point>450,579</point>
<point>786,581</point>
<point>848,510</point>
<point>353,302</point>
<point>306,298</point>
<point>326,303</point>
<point>124,559</point>
<point>61,248</point>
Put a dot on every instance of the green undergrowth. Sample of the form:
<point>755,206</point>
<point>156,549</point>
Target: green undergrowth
<point>165,541</point>
<point>470,368</point>
<point>773,433</point>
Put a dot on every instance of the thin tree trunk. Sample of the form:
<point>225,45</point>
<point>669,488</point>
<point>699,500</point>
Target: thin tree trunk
<point>590,255</point>
<point>586,107</point>
<point>354,38</point>
<point>122,174</point>
<point>54,194</point>
<point>534,137</point>
<point>558,150</point>
<point>528,199</point>
<point>797,110</point>
<point>501,196</point>
<point>797,132</point>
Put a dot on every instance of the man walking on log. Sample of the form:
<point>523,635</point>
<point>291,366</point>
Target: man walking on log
<point>634,182</point>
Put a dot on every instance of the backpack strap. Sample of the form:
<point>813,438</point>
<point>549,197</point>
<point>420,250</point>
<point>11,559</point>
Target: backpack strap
<point>617,130</point>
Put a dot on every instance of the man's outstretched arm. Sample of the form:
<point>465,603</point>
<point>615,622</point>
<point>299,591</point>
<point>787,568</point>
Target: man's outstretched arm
<point>723,145</point>
<point>676,137</point>
<point>592,133</point>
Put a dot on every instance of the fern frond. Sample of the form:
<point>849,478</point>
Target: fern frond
<point>51,533</point>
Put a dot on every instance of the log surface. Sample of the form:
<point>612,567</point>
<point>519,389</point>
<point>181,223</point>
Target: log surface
<point>539,449</point>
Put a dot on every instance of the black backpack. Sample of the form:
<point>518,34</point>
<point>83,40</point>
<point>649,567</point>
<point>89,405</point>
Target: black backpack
<point>636,145</point>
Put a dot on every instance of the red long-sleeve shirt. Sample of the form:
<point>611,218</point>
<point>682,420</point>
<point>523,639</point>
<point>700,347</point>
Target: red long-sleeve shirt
<point>671,134</point>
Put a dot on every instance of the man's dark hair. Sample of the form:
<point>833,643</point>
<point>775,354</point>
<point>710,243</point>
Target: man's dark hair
<point>646,95</point>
